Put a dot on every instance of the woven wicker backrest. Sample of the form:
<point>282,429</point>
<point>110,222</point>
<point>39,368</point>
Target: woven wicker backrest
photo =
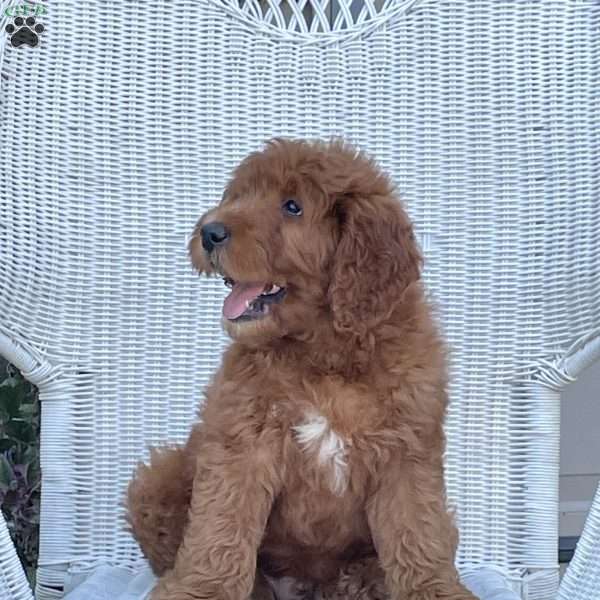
<point>120,128</point>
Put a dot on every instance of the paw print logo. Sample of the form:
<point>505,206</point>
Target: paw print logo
<point>24,32</point>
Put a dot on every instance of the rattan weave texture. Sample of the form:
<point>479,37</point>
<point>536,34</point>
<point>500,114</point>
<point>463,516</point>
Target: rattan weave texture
<point>121,127</point>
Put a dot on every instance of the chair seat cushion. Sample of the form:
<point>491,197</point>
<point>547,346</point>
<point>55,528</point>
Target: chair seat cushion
<point>115,583</point>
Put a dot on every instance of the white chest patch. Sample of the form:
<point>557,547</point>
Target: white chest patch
<point>315,435</point>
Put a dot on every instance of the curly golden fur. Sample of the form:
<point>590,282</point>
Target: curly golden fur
<point>316,470</point>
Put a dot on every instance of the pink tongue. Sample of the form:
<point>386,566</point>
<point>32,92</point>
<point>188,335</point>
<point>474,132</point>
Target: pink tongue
<point>235,303</point>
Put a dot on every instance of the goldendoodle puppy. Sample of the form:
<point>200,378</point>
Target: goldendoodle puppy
<point>317,468</point>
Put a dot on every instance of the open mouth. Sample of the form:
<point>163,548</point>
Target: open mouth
<point>250,301</point>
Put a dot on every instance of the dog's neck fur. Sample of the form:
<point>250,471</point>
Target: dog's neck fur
<point>358,352</point>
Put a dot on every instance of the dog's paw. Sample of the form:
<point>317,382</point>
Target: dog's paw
<point>24,32</point>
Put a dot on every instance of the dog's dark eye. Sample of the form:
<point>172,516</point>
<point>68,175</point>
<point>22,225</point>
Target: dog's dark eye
<point>291,207</point>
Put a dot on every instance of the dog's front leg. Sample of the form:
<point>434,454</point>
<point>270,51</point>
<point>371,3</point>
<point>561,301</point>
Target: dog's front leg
<point>414,535</point>
<point>231,500</point>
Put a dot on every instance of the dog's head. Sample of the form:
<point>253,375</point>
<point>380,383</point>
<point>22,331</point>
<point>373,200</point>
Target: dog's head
<point>307,233</point>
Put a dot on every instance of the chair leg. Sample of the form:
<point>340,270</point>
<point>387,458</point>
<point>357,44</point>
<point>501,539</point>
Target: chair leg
<point>158,499</point>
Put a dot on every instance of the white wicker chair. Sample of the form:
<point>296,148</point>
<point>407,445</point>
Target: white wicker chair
<point>120,128</point>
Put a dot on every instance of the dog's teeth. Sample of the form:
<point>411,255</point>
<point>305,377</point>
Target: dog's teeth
<point>247,303</point>
<point>272,290</point>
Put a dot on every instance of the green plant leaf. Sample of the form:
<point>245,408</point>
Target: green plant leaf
<point>9,381</point>
<point>28,410</point>
<point>4,414</point>
<point>34,473</point>
<point>21,431</point>
<point>6,444</point>
<point>6,471</point>
<point>19,451</point>
<point>11,399</point>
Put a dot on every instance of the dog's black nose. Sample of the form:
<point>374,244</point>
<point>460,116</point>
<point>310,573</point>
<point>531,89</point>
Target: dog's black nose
<point>214,234</point>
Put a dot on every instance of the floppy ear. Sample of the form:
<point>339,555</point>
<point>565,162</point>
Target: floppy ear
<point>375,260</point>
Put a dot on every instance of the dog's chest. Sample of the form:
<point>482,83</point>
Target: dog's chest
<point>324,449</point>
<point>322,426</point>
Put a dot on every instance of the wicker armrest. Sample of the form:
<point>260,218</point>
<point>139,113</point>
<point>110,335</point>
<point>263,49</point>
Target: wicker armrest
<point>13,583</point>
<point>582,579</point>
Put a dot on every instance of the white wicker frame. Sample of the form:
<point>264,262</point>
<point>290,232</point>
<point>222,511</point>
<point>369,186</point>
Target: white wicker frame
<point>116,137</point>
